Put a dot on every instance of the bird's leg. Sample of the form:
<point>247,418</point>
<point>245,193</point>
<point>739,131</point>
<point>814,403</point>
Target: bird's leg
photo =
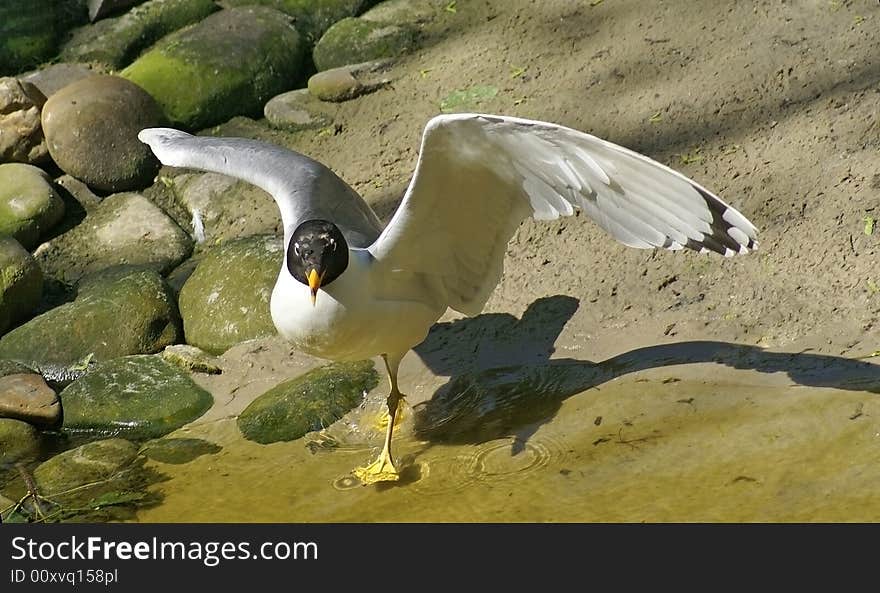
<point>383,469</point>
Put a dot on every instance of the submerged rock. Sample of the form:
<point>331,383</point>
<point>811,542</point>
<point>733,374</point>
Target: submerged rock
<point>309,402</point>
<point>29,204</point>
<point>355,40</point>
<point>124,229</point>
<point>229,64</point>
<point>226,300</point>
<point>21,136</point>
<point>178,451</point>
<point>91,128</point>
<point>134,396</point>
<point>27,397</point>
<point>21,283</point>
<point>115,313</point>
<point>116,42</point>
<point>91,463</point>
<point>19,441</point>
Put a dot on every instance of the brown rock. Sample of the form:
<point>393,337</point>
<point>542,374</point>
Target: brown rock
<point>91,128</point>
<point>348,82</point>
<point>21,136</point>
<point>27,397</point>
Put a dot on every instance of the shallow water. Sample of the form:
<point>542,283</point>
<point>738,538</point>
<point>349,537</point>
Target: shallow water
<point>641,437</point>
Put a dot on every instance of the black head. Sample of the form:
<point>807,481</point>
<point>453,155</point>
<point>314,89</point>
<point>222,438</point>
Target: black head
<point>317,254</point>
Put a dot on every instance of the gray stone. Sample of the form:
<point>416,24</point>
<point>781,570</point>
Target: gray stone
<point>101,8</point>
<point>27,397</point>
<point>135,396</point>
<point>91,128</point>
<point>116,313</point>
<point>55,77</point>
<point>347,82</point>
<point>21,137</point>
<point>309,402</point>
<point>21,283</point>
<point>226,300</point>
<point>29,205</point>
<point>116,42</point>
<point>191,359</point>
<point>125,229</point>
<point>99,461</point>
<point>223,208</point>
<point>355,40</point>
<point>19,441</point>
<point>178,451</point>
<point>80,192</point>
<point>296,110</point>
<point>229,64</point>
<point>312,17</point>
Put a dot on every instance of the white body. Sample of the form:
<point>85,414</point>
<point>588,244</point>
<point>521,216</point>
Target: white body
<point>350,320</point>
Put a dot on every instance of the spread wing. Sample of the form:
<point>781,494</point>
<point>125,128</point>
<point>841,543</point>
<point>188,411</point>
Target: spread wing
<point>479,176</point>
<point>303,188</point>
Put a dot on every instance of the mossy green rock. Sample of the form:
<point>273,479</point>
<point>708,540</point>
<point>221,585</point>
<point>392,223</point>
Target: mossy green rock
<point>31,29</point>
<point>19,441</point>
<point>309,402</point>
<point>124,229</point>
<point>29,204</point>
<point>226,300</point>
<point>311,17</point>
<point>229,64</point>
<point>116,313</point>
<point>178,451</point>
<point>93,462</point>
<point>134,396</point>
<point>355,40</point>
<point>21,282</point>
<point>116,42</point>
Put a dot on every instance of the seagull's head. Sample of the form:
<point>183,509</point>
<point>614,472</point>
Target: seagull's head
<point>317,254</point>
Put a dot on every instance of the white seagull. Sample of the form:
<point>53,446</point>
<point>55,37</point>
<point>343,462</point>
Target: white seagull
<point>477,178</point>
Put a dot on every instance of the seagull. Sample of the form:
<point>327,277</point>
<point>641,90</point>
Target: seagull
<point>351,289</point>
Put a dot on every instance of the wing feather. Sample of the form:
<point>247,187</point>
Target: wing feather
<point>478,176</point>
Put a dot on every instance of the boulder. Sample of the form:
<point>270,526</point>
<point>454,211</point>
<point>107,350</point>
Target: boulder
<point>118,312</point>
<point>229,64</point>
<point>226,300</point>
<point>355,40</point>
<point>134,396</point>
<point>29,204</point>
<point>21,137</point>
<point>27,397</point>
<point>91,127</point>
<point>21,283</point>
<point>309,402</point>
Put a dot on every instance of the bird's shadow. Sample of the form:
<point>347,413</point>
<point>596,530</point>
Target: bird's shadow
<point>504,381</point>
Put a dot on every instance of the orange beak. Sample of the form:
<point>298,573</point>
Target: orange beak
<point>314,284</point>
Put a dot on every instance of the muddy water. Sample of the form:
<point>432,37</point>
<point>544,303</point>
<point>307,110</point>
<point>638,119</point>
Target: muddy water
<point>755,436</point>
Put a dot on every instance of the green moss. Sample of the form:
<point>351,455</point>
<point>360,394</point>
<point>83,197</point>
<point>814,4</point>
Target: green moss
<point>309,402</point>
<point>355,40</point>
<point>229,64</point>
<point>312,17</point>
<point>117,41</point>
<point>135,396</point>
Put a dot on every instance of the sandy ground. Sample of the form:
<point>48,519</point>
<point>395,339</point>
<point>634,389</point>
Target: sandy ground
<point>773,105</point>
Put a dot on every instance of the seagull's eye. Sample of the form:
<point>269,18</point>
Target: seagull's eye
<point>333,244</point>
<point>296,249</point>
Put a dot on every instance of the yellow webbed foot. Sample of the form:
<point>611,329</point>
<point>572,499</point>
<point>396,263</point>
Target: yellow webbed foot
<point>381,470</point>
